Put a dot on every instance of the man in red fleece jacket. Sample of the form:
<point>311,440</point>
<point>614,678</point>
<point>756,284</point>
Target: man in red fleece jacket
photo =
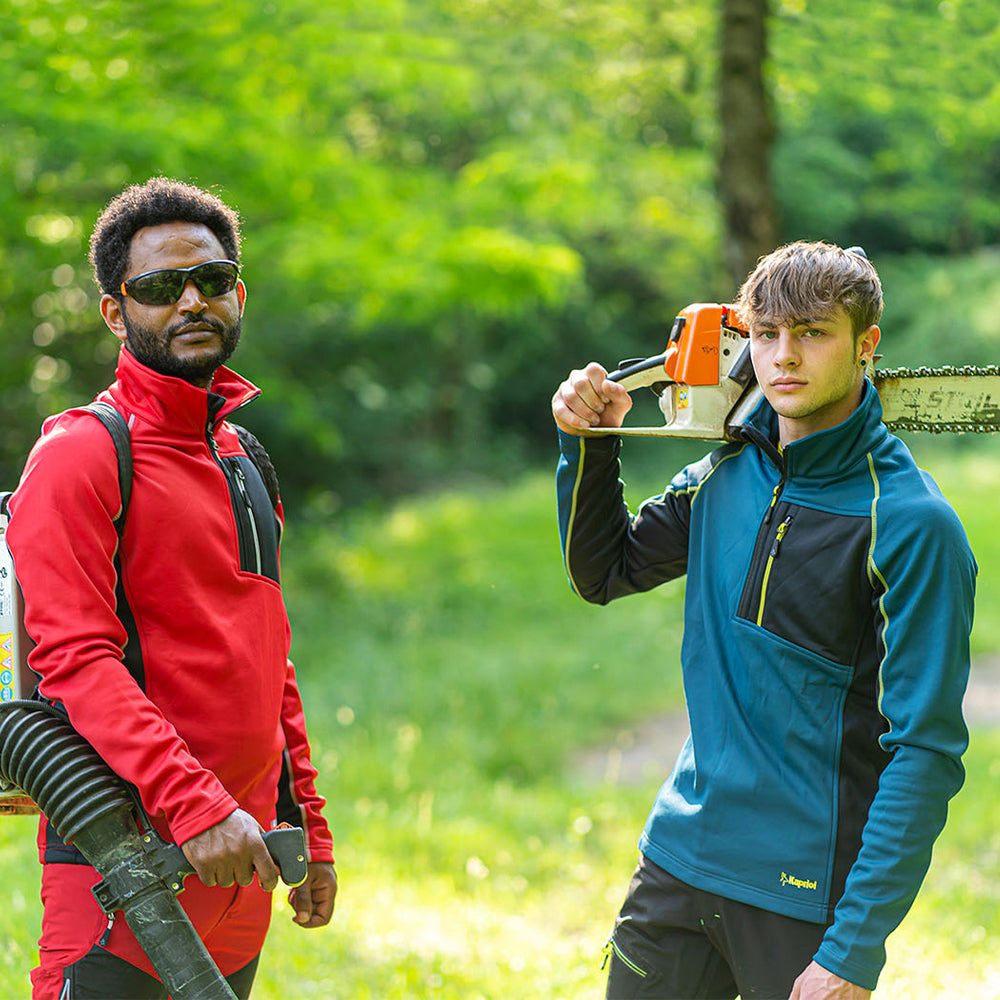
<point>168,648</point>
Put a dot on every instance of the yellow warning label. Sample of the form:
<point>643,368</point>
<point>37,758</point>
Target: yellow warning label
<point>7,666</point>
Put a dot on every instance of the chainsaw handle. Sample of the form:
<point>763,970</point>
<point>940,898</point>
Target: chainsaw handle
<point>641,373</point>
<point>703,379</point>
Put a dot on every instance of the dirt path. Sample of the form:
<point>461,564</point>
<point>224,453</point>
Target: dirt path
<point>646,752</point>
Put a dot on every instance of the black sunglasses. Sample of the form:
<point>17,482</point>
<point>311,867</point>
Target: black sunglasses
<point>164,287</point>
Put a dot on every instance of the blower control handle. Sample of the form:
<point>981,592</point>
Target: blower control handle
<point>161,863</point>
<point>287,846</point>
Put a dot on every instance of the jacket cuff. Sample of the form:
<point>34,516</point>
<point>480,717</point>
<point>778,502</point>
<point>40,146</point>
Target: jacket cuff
<point>610,443</point>
<point>860,973</point>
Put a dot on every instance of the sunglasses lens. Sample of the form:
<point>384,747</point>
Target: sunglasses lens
<point>157,289</point>
<point>217,277</point>
<point>161,288</point>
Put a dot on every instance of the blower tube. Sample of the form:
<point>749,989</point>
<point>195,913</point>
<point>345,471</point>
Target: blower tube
<point>92,808</point>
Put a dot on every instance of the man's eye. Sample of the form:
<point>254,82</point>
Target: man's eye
<point>815,333</point>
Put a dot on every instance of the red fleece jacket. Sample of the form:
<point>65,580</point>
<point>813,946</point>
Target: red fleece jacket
<point>219,705</point>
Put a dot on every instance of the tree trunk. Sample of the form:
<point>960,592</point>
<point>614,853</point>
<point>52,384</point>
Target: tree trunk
<point>751,224</point>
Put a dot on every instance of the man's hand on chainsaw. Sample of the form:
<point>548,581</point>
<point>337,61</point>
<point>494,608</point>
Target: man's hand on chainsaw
<point>588,399</point>
<point>230,852</point>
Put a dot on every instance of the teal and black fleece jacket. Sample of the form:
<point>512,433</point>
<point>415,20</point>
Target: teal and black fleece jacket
<point>828,606</point>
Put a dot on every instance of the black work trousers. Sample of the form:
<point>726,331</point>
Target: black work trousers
<point>675,942</point>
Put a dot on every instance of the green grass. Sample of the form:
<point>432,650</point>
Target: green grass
<point>452,649</point>
<point>449,673</point>
<point>949,944</point>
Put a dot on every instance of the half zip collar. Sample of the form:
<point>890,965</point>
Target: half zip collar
<point>174,405</point>
<point>826,454</point>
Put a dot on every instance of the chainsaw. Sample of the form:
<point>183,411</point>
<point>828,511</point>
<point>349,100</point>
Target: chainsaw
<point>707,387</point>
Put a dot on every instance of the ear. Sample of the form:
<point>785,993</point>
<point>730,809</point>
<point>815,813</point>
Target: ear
<point>112,311</point>
<point>867,343</point>
<point>241,294</point>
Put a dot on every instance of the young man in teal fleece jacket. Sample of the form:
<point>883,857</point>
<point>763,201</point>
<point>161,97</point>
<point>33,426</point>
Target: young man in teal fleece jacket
<point>828,608</point>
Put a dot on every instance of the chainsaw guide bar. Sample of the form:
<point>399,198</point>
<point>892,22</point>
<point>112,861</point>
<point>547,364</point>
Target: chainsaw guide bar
<point>946,400</point>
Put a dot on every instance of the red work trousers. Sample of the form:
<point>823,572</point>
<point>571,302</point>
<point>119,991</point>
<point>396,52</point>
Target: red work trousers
<point>232,922</point>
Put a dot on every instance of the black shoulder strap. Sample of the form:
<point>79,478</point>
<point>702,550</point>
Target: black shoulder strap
<point>122,439</point>
<point>259,456</point>
<point>118,429</point>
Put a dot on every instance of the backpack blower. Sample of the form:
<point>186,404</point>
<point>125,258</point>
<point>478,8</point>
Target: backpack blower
<point>91,807</point>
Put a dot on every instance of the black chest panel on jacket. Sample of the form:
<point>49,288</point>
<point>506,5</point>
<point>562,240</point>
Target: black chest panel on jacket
<point>808,581</point>
<point>265,521</point>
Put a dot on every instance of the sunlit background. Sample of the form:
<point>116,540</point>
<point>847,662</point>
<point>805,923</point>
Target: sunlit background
<point>446,205</point>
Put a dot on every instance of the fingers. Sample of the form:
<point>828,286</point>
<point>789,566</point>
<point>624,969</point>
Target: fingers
<point>239,865</point>
<point>267,870</point>
<point>313,901</point>
<point>301,900</point>
<point>316,913</point>
<point>231,852</point>
<point>246,859</point>
<point>588,399</point>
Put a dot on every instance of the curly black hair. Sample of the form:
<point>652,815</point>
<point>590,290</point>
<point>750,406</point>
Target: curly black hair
<point>157,201</point>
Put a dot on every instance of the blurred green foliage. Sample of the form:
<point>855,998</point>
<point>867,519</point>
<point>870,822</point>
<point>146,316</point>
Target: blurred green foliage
<point>449,203</point>
<point>888,123</point>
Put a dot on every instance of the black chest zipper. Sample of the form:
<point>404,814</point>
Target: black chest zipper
<point>246,524</point>
<point>241,483</point>
<point>779,537</point>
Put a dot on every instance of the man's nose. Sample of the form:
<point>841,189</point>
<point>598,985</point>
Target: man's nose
<point>786,353</point>
<point>192,299</point>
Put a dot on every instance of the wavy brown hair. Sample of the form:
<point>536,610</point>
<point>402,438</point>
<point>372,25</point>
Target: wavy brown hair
<point>803,282</point>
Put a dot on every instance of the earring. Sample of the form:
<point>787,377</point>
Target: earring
<point>863,362</point>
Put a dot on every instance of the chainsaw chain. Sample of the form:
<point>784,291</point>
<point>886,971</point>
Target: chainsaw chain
<point>905,424</point>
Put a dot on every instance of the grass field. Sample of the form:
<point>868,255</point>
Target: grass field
<point>449,673</point>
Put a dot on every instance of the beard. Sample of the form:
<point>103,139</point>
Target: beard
<point>154,349</point>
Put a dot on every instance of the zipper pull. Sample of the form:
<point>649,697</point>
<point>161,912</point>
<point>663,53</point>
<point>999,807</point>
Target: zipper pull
<point>242,484</point>
<point>774,500</point>
<point>782,531</point>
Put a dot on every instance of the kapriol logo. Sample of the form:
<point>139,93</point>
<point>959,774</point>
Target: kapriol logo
<point>797,883</point>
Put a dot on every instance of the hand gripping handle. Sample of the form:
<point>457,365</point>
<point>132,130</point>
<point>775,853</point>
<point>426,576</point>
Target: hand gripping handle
<point>159,863</point>
<point>286,845</point>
